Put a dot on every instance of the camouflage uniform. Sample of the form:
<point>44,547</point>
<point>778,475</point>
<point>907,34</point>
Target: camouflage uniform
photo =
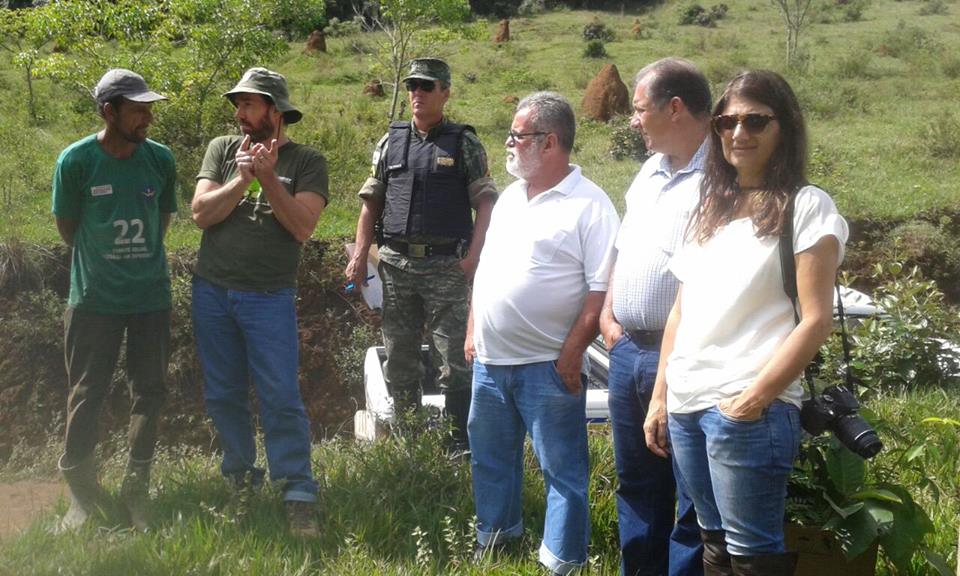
<point>428,291</point>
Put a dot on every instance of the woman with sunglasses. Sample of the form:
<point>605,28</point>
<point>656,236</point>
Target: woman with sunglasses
<point>732,350</point>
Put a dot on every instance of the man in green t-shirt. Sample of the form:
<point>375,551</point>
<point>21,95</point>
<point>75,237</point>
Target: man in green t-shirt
<point>258,198</point>
<point>113,195</point>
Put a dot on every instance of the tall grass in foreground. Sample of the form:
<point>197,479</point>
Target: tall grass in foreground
<point>920,429</point>
<point>401,507</point>
<point>398,506</point>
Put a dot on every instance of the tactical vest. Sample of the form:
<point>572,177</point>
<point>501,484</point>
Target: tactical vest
<point>426,186</point>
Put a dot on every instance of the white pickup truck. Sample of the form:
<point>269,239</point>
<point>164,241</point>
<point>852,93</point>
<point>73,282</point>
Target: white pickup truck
<point>368,423</point>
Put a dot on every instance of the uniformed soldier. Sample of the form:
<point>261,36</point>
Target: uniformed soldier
<point>428,175</point>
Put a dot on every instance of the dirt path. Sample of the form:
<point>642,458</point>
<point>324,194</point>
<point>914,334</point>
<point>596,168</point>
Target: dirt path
<point>22,502</point>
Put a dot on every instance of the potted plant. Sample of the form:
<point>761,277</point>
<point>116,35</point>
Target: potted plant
<point>837,517</point>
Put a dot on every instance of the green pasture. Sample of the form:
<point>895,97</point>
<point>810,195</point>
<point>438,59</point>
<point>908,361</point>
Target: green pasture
<point>879,93</point>
<point>878,80</point>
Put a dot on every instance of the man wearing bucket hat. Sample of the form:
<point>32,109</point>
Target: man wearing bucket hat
<point>258,198</point>
<point>113,196</point>
<point>429,176</point>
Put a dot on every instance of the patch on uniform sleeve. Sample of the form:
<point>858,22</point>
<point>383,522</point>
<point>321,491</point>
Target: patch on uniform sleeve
<point>445,161</point>
<point>379,149</point>
<point>105,190</point>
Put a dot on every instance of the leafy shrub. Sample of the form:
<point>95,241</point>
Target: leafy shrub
<point>950,65</point>
<point>298,18</point>
<point>691,14</point>
<point>626,142</point>
<point>942,137</point>
<point>839,11</point>
<point>697,14</point>
<point>853,11</point>
<point>906,346</point>
<point>336,27</point>
<point>597,30</point>
<point>594,49</point>
<point>906,40</point>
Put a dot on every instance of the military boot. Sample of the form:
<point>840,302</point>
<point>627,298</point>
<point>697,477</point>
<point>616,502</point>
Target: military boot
<point>135,494</point>
<point>84,493</point>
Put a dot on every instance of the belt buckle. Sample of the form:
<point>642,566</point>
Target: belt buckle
<point>417,250</point>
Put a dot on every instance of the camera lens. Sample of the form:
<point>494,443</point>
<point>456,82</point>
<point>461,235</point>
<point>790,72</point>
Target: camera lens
<point>854,433</point>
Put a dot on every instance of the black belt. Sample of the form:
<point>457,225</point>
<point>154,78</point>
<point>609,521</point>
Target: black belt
<point>646,337</point>
<point>414,250</point>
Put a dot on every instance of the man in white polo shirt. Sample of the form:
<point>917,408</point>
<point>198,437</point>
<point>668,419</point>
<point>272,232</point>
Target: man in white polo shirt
<point>537,297</point>
<point>672,110</point>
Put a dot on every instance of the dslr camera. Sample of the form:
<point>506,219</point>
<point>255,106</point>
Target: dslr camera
<point>836,410</point>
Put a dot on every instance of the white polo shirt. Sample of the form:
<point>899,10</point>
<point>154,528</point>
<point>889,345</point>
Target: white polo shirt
<point>734,311</point>
<point>540,259</point>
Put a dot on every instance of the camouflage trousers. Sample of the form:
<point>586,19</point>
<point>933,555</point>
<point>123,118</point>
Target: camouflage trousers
<point>418,293</point>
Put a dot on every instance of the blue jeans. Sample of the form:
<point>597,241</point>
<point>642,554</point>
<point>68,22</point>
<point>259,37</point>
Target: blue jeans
<point>737,472</point>
<point>252,336</point>
<point>648,499</point>
<point>508,402</point>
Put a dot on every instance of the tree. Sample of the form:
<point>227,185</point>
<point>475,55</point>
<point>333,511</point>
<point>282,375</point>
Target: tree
<point>794,12</point>
<point>23,33</point>
<point>189,50</point>
<point>401,21</point>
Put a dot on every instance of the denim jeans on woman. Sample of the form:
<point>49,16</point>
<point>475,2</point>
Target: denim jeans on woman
<point>508,402</point>
<point>252,336</point>
<point>737,472</point>
<point>648,496</point>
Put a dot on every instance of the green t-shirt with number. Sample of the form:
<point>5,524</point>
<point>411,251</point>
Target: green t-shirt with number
<point>119,265</point>
<point>250,249</point>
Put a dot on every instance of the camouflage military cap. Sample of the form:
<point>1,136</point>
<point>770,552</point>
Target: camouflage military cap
<point>429,69</point>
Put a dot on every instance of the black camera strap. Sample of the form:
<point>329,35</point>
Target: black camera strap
<point>788,268</point>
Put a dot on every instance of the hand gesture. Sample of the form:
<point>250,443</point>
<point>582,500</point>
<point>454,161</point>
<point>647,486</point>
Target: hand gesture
<point>264,158</point>
<point>244,160</point>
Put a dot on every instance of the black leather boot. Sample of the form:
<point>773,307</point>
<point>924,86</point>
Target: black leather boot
<point>716,559</point>
<point>767,565</point>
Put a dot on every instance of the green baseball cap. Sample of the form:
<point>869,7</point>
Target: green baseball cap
<point>270,84</point>
<point>429,69</point>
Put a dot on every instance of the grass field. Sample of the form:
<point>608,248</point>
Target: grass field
<point>879,94</point>
<point>400,507</point>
